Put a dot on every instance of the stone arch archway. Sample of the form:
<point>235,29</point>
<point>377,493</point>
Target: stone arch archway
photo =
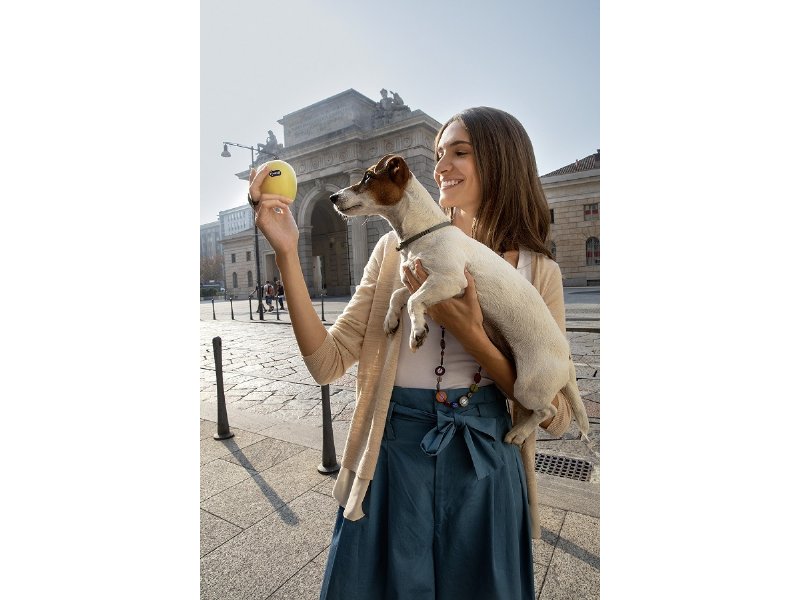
<point>325,243</point>
<point>311,200</point>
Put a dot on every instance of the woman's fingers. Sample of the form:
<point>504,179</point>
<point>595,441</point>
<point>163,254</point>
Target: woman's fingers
<point>409,280</point>
<point>419,272</point>
<point>470,289</point>
<point>278,203</point>
<point>271,210</point>
<point>257,177</point>
<point>413,279</point>
<point>255,187</point>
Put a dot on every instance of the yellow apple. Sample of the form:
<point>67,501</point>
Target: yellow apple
<point>280,179</point>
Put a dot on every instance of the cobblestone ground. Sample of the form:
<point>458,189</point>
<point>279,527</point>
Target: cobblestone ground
<point>264,373</point>
<point>585,349</point>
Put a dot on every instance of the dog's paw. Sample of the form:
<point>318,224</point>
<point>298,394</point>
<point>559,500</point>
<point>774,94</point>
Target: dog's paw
<point>418,338</point>
<point>519,433</point>
<point>592,444</point>
<point>391,323</point>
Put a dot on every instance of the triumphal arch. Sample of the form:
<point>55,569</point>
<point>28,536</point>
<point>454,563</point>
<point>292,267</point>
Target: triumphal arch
<point>330,144</point>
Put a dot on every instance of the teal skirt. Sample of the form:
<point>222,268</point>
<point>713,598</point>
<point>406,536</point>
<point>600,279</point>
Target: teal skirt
<point>446,512</point>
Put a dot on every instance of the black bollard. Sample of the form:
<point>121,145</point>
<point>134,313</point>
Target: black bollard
<point>223,430</point>
<point>250,302</point>
<point>232,317</point>
<point>213,312</point>
<point>329,464</point>
<point>277,309</point>
<point>322,295</point>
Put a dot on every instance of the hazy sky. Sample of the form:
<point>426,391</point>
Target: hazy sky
<point>261,60</point>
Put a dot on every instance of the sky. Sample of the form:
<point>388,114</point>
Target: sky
<point>260,60</point>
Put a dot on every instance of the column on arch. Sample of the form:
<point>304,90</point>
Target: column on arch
<point>357,232</point>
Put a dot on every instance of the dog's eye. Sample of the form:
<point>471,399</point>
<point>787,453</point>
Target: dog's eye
<point>367,176</point>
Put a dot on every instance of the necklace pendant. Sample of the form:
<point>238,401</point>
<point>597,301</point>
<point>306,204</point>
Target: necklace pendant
<point>463,401</point>
<point>441,396</point>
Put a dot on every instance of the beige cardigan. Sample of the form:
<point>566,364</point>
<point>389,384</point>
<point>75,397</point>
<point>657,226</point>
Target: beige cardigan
<point>357,335</point>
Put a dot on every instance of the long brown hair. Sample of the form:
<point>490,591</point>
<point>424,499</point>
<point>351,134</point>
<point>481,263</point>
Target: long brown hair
<point>513,210</point>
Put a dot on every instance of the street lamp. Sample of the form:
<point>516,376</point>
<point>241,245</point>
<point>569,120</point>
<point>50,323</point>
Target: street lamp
<point>226,154</point>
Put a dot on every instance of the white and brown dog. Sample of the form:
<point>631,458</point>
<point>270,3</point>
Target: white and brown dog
<point>516,317</point>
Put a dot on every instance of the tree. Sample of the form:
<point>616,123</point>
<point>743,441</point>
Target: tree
<point>211,268</point>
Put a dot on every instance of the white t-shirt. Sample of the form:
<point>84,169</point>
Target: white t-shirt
<point>416,369</point>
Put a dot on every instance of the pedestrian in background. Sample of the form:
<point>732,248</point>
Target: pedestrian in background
<point>269,291</point>
<point>281,294</point>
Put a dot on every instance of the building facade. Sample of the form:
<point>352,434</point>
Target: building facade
<point>330,144</point>
<point>210,240</point>
<point>573,194</point>
<point>212,268</point>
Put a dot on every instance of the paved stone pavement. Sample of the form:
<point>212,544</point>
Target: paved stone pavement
<point>266,513</point>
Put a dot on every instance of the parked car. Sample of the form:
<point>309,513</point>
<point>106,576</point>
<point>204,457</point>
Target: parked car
<point>209,290</point>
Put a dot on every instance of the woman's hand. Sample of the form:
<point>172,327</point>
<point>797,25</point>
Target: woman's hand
<point>273,217</point>
<point>460,316</point>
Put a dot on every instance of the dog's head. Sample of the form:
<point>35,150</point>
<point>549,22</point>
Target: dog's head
<point>379,192</point>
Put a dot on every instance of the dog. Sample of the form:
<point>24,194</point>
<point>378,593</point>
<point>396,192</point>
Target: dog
<point>516,317</point>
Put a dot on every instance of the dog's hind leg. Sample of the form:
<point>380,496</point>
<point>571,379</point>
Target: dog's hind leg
<point>398,300</point>
<point>520,432</point>
<point>575,402</point>
<point>532,392</point>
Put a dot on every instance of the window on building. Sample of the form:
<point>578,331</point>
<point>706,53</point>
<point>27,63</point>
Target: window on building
<point>591,212</point>
<point>552,216</point>
<point>249,256</point>
<point>235,281</point>
<point>249,278</point>
<point>553,249</point>
<point>592,251</point>
<point>233,259</point>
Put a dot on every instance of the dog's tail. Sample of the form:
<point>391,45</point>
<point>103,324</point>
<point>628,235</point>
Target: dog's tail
<point>575,403</point>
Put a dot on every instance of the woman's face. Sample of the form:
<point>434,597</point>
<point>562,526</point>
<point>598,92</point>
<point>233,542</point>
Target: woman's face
<point>456,170</point>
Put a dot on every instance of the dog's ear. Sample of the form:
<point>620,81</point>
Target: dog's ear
<point>398,170</point>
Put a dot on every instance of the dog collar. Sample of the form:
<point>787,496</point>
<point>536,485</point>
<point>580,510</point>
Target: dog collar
<point>414,238</point>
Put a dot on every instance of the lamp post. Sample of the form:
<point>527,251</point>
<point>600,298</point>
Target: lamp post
<point>226,154</point>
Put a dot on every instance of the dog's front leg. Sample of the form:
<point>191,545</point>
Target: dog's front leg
<point>435,289</point>
<point>398,300</point>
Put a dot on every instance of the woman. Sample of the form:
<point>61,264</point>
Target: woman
<point>433,504</point>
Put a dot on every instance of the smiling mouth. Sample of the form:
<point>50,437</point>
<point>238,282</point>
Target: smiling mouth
<point>448,185</point>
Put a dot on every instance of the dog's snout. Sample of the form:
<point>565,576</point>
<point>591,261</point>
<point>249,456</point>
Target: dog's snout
<point>335,197</point>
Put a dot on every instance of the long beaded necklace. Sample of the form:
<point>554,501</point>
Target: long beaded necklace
<point>441,395</point>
